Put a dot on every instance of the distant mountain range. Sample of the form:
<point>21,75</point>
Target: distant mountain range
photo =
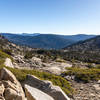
<point>45,41</point>
<point>26,34</point>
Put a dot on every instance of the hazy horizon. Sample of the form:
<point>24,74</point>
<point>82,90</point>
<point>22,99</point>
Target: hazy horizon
<point>64,17</point>
<point>50,33</point>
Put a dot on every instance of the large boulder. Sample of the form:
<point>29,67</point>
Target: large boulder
<point>36,62</point>
<point>10,88</point>
<point>47,87</point>
<point>35,94</point>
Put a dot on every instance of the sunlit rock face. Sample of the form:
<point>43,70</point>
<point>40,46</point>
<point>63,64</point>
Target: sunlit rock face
<point>35,94</point>
<point>47,87</point>
<point>10,88</point>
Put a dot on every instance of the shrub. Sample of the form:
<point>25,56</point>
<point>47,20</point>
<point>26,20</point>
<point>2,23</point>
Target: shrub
<point>84,75</point>
<point>98,66</point>
<point>28,55</point>
<point>90,65</point>
<point>56,80</point>
<point>8,51</point>
<point>3,55</point>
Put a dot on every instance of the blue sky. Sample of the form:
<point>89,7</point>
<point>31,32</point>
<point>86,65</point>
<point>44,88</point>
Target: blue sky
<point>50,16</point>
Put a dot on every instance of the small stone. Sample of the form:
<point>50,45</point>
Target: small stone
<point>99,82</point>
<point>81,88</point>
<point>97,87</point>
<point>92,95</point>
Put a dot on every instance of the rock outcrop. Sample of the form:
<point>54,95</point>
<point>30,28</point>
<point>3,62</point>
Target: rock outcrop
<point>10,88</point>
<point>35,94</point>
<point>47,87</point>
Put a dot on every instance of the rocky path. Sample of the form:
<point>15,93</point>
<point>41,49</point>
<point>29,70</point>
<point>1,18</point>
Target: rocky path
<point>86,91</point>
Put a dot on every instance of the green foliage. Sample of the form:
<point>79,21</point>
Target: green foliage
<point>8,51</point>
<point>3,55</point>
<point>28,55</point>
<point>86,56</point>
<point>98,66</point>
<point>84,75</point>
<point>90,65</point>
<point>56,80</point>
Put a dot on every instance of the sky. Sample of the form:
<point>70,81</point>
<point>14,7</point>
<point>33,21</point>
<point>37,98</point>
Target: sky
<point>50,16</point>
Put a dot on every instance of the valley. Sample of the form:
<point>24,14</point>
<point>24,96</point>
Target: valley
<point>74,69</point>
<point>49,49</point>
<point>45,41</point>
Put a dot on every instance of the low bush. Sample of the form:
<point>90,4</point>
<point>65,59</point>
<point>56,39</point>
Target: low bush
<point>28,55</point>
<point>98,66</point>
<point>8,51</point>
<point>56,80</point>
<point>3,55</point>
<point>84,75</point>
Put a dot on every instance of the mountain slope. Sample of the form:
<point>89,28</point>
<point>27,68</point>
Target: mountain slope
<point>11,48</point>
<point>92,44</point>
<point>4,43</point>
<point>46,41</point>
<point>87,51</point>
